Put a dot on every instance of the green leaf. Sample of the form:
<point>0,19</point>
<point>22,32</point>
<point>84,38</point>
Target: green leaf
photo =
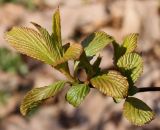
<point>56,28</point>
<point>33,44</point>
<point>96,42</point>
<point>37,95</point>
<point>128,46</point>
<point>130,42</point>
<point>137,112</point>
<point>112,84</point>
<point>77,93</point>
<point>73,52</point>
<point>131,65</point>
<point>53,45</point>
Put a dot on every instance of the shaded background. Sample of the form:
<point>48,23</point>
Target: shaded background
<point>19,73</point>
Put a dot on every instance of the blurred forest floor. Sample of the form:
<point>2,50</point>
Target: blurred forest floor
<point>19,73</point>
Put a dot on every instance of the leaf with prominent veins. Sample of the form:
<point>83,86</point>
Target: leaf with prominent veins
<point>56,28</point>
<point>73,52</point>
<point>96,42</point>
<point>112,84</point>
<point>137,112</point>
<point>30,42</point>
<point>37,95</point>
<point>131,65</point>
<point>77,93</point>
<point>130,42</point>
<point>53,45</point>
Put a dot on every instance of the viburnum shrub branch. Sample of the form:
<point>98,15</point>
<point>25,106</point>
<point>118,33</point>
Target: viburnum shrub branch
<point>118,83</point>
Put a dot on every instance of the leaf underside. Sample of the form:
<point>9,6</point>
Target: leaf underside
<point>77,94</point>
<point>112,84</point>
<point>37,95</point>
<point>137,112</point>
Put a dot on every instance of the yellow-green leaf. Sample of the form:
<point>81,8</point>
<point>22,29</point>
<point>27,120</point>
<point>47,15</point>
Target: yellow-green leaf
<point>137,112</point>
<point>77,93</point>
<point>33,44</point>
<point>131,65</point>
<point>56,28</point>
<point>37,95</point>
<point>96,42</point>
<point>130,42</point>
<point>51,43</point>
<point>112,84</point>
<point>73,52</point>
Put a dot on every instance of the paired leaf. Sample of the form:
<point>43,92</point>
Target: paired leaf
<point>37,95</point>
<point>130,42</point>
<point>96,42</point>
<point>112,84</point>
<point>131,65</point>
<point>137,112</point>
<point>77,93</point>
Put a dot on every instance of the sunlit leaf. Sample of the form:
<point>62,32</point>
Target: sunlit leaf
<point>128,46</point>
<point>131,65</point>
<point>56,28</point>
<point>73,52</point>
<point>112,84</point>
<point>37,95</point>
<point>96,42</point>
<point>130,42</point>
<point>53,45</point>
<point>33,44</point>
<point>137,112</point>
<point>77,93</point>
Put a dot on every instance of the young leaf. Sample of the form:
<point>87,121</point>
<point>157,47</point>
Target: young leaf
<point>96,42</point>
<point>137,112</point>
<point>77,93</point>
<point>112,84</point>
<point>73,52</point>
<point>37,95</point>
<point>51,43</point>
<point>131,65</point>
<point>56,28</point>
<point>128,46</point>
<point>32,43</point>
<point>130,42</point>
